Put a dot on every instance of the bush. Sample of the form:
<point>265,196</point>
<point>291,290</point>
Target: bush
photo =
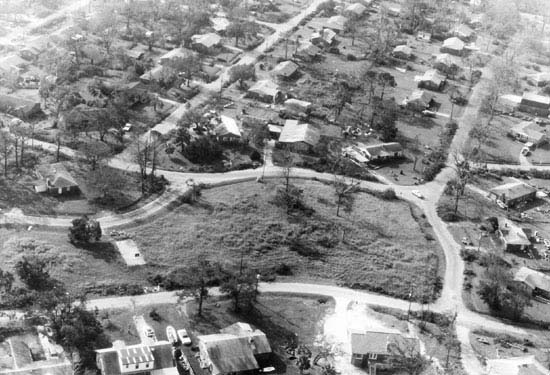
<point>351,57</point>
<point>255,156</point>
<point>469,255</point>
<point>304,248</point>
<point>153,314</point>
<point>283,269</point>
<point>203,150</point>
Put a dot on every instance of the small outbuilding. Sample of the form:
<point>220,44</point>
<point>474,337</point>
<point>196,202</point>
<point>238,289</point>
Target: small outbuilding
<point>325,37</point>
<point>308,52</point>
<point>464,33</point>
<point>419,100</point>
<point>528,131</point>
<point>355,9</point>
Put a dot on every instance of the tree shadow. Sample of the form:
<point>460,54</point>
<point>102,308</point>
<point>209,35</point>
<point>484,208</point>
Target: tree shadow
<point>106,251</point>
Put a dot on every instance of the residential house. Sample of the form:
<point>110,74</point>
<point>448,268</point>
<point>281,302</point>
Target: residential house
<point>274,130</point>
<point>55,179</point>
<point>540,79</point>
<point>476,21</point>
<point>300,137</point>
<point>513,237</point>
<point>382,151</point>
<point>236,350</point>
<point>140,359</point>
<point>419,100</point>
<point>464,33</point>
<point>375,350</point>
<point>297,106</point>
<point>528,131</point>
<point>355,9</point>
<point>138,52</point>
<point>324,38</point>
<point>509,102</point>
<point>307,51</point>
<point>266,91</point>
<point>205,43</point>
<point>513,193</point>
<point>285,70</point>
<point>153,75</point>
<point>446,63</point>
<point>134,92</point>
<point>355,153</point>
<point>402,52</point>
<point>176,53</point>
<point>220,24</point>
<point>453,46</point>
<point>337,23</point>
<point>527,365</point>
<point>227,129</point>
<point>12,64</point>
<point>535,104</point>
<point>537,282</point>
<point>18,106</point>
<point>393,11</point>
<point>431,80</point>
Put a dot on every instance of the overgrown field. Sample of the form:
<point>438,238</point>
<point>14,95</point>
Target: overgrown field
<point>379,246</point>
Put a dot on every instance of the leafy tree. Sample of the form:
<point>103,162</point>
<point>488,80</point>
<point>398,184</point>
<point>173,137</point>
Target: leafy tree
<point>344,193</point>
<point>327,7</point>
<point>6,284</point>
<point>303,363</point>
<point>406,356</point>
<point>242,73</point>
<point>188,66</point>
<point>6,140</point>
<point>202,273</point>
<point>94,151</point>
<point>203,150</point>
<point>241,287</point>
<point>108,183</point>
<point>84,230</point>
<point>34,273</point>
<point>384,118</point>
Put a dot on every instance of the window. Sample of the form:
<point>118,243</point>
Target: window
<point>373,355</point>
<point>146,365</point>
<point>137,366</point>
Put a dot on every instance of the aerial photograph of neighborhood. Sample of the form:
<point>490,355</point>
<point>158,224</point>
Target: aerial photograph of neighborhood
<point>301,187</point>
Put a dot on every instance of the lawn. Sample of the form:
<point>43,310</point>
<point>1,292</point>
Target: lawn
<point>380,246</point>
<point>79,269</point>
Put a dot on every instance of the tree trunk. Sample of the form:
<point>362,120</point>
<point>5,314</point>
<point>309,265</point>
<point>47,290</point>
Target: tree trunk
<point>22,151</point>
<point>16,144</point>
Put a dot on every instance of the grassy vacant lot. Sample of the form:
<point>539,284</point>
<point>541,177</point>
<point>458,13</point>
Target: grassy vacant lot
<point>383,249</point>
<point>79,269</point>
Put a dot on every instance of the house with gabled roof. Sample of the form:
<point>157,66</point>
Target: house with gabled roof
<point>266,91</point>
<point>285,70</point>
<point>527,365</point>
<point>537,282</point>
<point>300,137</point>
<point>453,46</point>
<point>307,51</point>
<point>237,349</point>
<point>464,33</point>
<point>431,80</point>
<point>356,9</point>
<point>55,179</point>
<point>535,104</point>
<point>140,359</point>
<point>513,237</point>
<point>402,52</point>
<point>324,37</point>
<point>227,129</point>
<point>513,193</point>
<point>374,350</point>
<point>446,63</point>
<point>337,23</point>
<point>419,100</point>
<point>205,43</point>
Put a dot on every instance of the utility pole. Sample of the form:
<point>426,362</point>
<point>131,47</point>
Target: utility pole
<point>410,303</point>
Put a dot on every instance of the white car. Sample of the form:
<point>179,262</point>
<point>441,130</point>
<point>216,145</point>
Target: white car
<point>184,337</point>
<point>547,243</point>
<point>417,194</point>
<point>501,204</point>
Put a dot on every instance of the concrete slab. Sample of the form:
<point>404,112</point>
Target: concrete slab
<point>130,253</point>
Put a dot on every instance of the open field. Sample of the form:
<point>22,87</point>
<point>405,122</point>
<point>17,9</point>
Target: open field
<point>79,269</point>
<point>384,253</point>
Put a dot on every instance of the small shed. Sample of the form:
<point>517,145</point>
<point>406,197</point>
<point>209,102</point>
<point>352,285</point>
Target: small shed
<point>537,282</point>
<point>538,105</point>
<point>464,33</point>
<point>227,129</point>
<point>308,52</point>
<point>513,193</point>
<point>325,37</point>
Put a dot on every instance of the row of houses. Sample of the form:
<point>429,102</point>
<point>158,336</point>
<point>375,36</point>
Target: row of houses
<point>237,349</point>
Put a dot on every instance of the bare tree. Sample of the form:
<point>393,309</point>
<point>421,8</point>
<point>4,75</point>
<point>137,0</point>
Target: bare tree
<point>344,192</point>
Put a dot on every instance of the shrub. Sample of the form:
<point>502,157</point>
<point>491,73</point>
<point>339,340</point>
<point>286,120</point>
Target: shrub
<point>255,156</point>
<point>304,249</point>
<point>351,57</point>
<point>153,314</point>
<point>283,269</point>
<point>469,255</point>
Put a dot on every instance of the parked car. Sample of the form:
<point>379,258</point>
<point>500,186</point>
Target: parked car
<point>184,337</point>
<point>428,113</point>
<point>149,332</point>
<point>525,151</point>
<point>483,340</point>
<point>501,204</point>
<point>417,194</point>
